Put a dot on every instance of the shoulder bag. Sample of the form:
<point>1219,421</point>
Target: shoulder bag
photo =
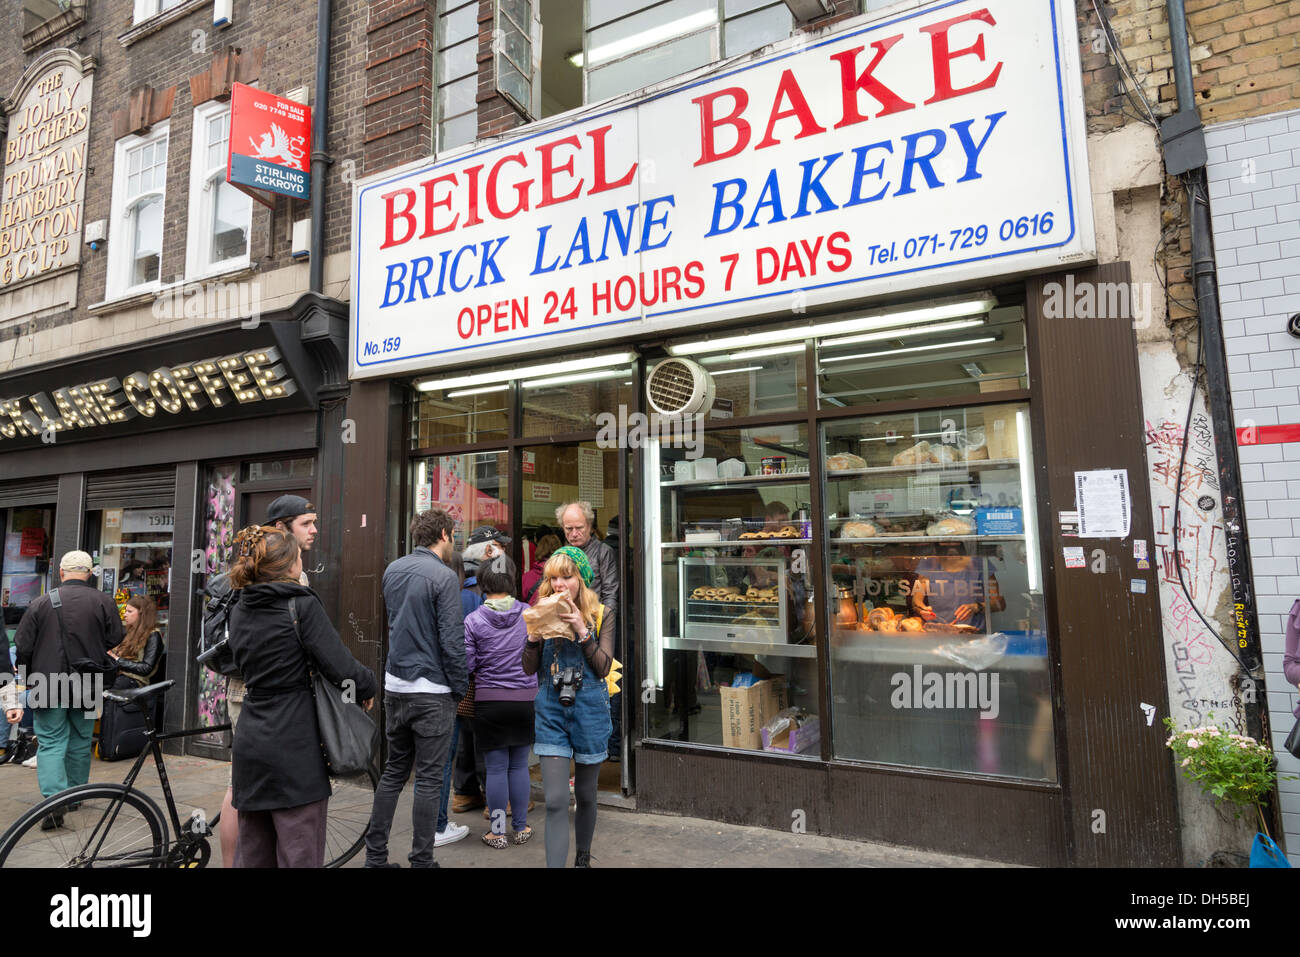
<point>349,738</point>
<point>81,666</point>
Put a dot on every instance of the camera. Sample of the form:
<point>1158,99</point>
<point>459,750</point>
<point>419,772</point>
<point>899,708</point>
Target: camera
<point>567,683</point>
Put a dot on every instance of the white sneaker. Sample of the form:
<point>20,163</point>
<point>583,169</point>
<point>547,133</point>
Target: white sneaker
<point>454,833</point>
<point>30,762</point>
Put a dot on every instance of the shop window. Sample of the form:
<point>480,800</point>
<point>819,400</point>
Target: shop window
<point>25,568</point>
<point>581,401</point>
<point>473,488</point>
<point>220,215</point>
<point>144,9</point>
<point>220,515</point>
<point>518,52</point>
<point>731,641</point>
<point>958,347</point>
<point>278,469</point>
<point>938,646</point>
<point>457,67</point>
<point>139,181</point>
<point>456,416</point>
<point>133,551</point>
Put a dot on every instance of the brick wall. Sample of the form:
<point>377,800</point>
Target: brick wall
<point>166,58</point>
<point>1254,171</point>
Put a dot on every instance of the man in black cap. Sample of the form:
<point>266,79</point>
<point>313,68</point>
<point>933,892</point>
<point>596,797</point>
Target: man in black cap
<point>297,516</point>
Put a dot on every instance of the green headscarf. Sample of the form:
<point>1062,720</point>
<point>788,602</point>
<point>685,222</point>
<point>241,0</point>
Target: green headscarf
<point>579,558</point>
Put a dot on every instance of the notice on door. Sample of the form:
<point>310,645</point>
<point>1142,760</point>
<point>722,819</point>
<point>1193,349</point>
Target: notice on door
<point>591,477</point>
<point>1104,504</point>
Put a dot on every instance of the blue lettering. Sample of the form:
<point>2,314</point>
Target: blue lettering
<point>397,282</point>
<point>911,160</point>
<point>580,241</point>
<point>719,202</point>
<point>622,232</point>
<point>419,275</point>
<point>455,265</point>
<point>651,220</point>
<point>541,247</point>
<point>489,262</point>
<point>968,144</point>
<point>860,171</point>
<point>771,197</point>
<point>813,184</point>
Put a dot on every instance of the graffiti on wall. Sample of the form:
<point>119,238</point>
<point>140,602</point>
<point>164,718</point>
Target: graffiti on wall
<point>1196,689</point>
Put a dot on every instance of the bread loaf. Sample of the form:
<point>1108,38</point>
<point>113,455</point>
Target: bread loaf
<point>859,530</point>
<point>845,460</point>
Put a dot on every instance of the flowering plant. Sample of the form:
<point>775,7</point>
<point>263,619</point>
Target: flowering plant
<point>1231,767</point>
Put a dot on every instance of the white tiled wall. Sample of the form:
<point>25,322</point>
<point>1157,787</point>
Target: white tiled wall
<point>1254,172</point>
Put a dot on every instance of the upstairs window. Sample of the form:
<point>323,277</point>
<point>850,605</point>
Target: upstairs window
<point>220,215</point>
<point>457,69</point>
<point>136,234</point>
<point>144,9</point>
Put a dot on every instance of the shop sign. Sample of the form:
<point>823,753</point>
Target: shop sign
<point>423,498</point>
<point>112,518</point>
<point>270,142</point>
<point>245,377</point>
<point>44,168</point>
<point>941,145</point>
<point>137,520</point>
<point>541,492</point>
<point>530,463</point>
<point>32,543</point>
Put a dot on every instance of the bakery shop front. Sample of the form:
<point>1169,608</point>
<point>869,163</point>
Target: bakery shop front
<point>799,366</point>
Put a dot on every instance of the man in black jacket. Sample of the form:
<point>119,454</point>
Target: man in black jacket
<point>424,676</point>
<point>64,721</point>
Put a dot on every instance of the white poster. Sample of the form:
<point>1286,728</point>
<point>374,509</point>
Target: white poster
<point>591,476</point>
<point>1103,501</point>
<point>937,146</point>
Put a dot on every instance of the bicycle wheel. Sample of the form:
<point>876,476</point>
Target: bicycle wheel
<point>350,804</point>
<point>110,825</point>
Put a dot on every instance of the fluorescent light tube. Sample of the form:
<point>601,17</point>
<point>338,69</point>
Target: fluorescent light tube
<point>575,377</point>
<point>717,372</point>
<point>481,390</point>
<point>646,38</point>
<point>888,319</point>
<point>900,333</point>
<point>895,352</point>
<point>508,375</point>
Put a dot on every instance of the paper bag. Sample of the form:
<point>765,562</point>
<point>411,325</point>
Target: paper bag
<point>543,619</point>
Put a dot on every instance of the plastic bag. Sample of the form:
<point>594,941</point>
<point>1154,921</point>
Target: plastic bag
<point>543,619</point>
<point>743,679</point>
<point>976,654</point>
<point>1265,853</point>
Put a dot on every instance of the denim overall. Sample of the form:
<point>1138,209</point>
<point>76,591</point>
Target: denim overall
<point>582,731</point>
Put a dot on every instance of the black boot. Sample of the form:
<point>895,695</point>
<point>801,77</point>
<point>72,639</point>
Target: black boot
<point>582,859</point>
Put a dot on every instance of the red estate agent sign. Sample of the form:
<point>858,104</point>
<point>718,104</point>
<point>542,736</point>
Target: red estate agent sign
<point>270,142</point>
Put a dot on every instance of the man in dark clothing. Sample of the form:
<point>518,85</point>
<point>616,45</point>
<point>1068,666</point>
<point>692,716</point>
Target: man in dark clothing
<point>424,678</point>
<point>64,722</point>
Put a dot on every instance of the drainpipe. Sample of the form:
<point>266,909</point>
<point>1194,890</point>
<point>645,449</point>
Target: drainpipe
<point>1184,145</point>
<point>320,158</point>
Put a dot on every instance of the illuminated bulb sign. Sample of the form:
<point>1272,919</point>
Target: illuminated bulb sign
<point>256,375</point>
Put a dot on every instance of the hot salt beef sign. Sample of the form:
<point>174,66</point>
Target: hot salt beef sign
<point>270,144</point>
<point>941,145</point>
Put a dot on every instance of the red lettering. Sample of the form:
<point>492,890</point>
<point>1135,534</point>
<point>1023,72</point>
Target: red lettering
<point>709,123</point>
<point>764,254</point>
<point>549,169</point>
<point>472,217</point>
<point>853,83</point>
<point>429,204</point>
<point>520,188</point>
<point>695,276</point>
<point>600,183</point>
<point>788,89</point>
<point>391,216</point>
<point>943,57</point>
<point>841,249</point>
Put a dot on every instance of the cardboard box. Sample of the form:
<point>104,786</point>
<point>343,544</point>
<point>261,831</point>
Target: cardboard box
<point>792,740</point>
<point>746,710</point>
<point>1001,435</point>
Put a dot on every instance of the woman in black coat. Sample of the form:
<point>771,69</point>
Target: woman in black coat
<point>281,785</point>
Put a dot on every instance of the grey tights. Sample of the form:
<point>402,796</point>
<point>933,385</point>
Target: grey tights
<point>555,784</point>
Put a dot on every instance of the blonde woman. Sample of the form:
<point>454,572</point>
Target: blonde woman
<point>576,728</point>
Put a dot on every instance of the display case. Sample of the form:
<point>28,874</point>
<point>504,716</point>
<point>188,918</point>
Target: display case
<point>932,555</point>
<point>730,527</point>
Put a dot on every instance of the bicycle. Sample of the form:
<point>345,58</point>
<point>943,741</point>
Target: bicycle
<point>118,825</point>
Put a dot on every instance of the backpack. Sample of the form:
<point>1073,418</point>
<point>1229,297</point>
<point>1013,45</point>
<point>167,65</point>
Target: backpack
<point>214,627</point>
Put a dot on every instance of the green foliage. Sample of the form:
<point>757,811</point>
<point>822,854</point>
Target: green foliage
<point>1230,767</point>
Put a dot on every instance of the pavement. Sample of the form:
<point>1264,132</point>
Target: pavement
<point>624,837</point>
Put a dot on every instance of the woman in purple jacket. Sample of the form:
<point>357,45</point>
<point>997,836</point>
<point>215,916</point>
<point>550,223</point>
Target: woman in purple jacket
<point>503,701</point>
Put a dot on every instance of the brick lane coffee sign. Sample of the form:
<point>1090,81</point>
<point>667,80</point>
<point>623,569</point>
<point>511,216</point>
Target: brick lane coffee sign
<point>44,178</point>
<point>938,145</point>
<point>270,143</point>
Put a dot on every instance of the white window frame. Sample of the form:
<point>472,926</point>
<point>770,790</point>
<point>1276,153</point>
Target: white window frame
<point>532,70</point>
<point>147,9</point>
<point>202,205</point>
<point>122,226</point>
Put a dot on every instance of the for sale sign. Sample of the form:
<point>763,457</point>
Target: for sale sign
<point>270,142</point>
<point>940,145</point>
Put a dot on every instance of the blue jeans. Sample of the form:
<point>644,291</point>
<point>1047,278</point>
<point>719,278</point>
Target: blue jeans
<point>446,775</point>
<point>418,727</point>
